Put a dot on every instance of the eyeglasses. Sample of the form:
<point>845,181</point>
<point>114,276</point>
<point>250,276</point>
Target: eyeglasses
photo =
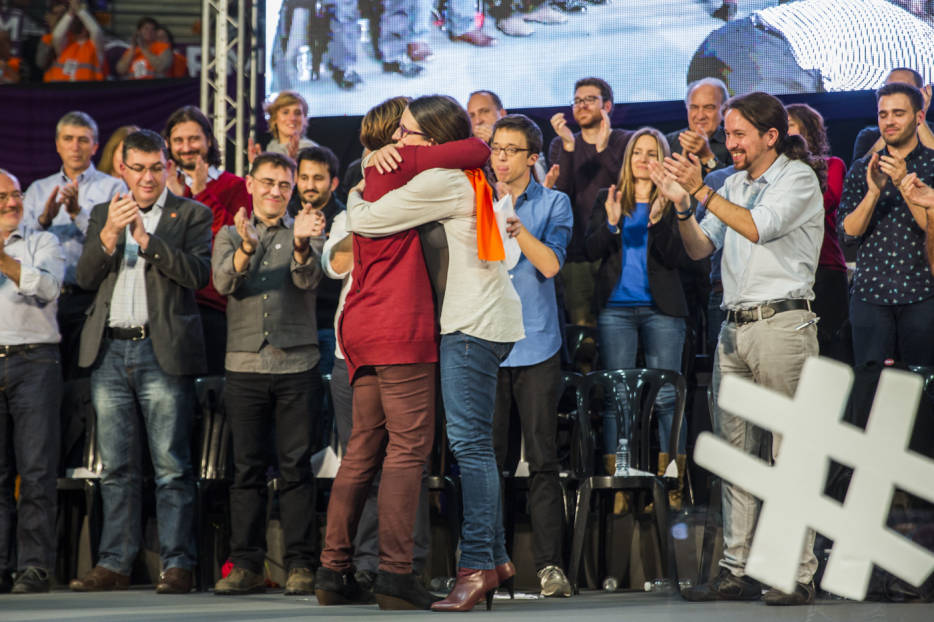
<point>404,131</point>
<point>16,195</point>
<point>139,169</point>
<point>509,150</point>
<point>267,183</point>
<point>577,102</point>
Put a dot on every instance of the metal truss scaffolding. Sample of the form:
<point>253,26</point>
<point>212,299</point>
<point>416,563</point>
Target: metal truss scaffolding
<point>229,53</point>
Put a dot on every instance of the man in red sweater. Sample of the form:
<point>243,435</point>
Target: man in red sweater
<point>193,173</point>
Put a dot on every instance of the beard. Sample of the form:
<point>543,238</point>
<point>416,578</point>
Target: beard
<point>314,198</point>
<point>900,139</point>
<point>188,166</point>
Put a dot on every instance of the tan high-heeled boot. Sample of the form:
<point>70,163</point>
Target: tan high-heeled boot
<point>676,497</point>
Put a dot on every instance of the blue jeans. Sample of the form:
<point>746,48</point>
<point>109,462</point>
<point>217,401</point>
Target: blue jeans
<point>662,336</point>
<point>469,371</point>
<point>126,376</point>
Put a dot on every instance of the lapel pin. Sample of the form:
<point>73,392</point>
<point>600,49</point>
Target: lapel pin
<point>278,246</point>
<point>173,215</point>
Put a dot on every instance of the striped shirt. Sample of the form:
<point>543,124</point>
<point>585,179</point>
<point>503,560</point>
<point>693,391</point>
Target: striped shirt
<point>852,43</point>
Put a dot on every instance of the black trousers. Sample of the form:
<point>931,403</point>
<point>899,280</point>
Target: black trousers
<point>272,420</point>
<point>30,396</point>
<point>366,540</point>
<point>530,394</point>
<point>214,328</point>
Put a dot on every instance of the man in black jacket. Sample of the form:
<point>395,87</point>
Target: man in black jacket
<point>146,254</point>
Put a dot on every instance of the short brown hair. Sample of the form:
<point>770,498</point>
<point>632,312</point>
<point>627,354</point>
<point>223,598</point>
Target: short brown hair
<point>523,124</point>
<point>381,122</point>
<point>283,99</point>
<point>606,92</point>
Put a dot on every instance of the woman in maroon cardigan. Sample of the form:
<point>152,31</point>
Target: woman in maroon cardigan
<point>831,295</point>
<point>390,341</point>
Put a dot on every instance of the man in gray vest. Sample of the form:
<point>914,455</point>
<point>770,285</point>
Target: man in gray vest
<point>269,267</point>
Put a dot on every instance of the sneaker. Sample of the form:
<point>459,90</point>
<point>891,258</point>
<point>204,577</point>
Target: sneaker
<point>240,581</point>
<point>301,581</point>
<point>553,581</point>
<point>32,581</point>
<point>725,586</point>
<point>546,15</point>
<point>803,595</point>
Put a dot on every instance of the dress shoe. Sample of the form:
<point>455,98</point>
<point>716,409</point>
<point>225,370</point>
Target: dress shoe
<point>725,586</point>
<point>301,581</point>
<point>100,579</point>
<point>175,581</point>
<point>240,581</point>
<point>514,26</point>
<point>506,574</point>
<point>470,587</point>
<point>365,579</point>
<point>339,588</point>
<point>346,79</point>
<point>405,67</point>
<point>401,591</point>
<point>476,37</point>
<point>419,51</point>
<point>553,582</point>
<point>546,15</point>
<point>803,595</point>
<point>32,581</point>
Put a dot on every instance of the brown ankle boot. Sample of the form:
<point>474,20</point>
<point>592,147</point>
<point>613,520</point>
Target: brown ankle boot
<point>676,497</point>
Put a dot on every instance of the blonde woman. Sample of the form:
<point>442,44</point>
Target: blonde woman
<point>288,120</point>
<point>639,297</point>
<point>112,152</point>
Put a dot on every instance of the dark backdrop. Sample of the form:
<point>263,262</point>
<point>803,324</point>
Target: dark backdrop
<point>28,115</point>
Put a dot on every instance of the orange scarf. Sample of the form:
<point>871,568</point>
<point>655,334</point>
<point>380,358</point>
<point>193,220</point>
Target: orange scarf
<point>489,242</point>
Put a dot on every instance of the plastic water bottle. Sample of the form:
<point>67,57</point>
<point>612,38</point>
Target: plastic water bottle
<point>610,584</point>
<point>622,457</point>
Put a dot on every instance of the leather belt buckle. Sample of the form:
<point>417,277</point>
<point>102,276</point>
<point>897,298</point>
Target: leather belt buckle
<point>142,333</point>
<point>765,312</point>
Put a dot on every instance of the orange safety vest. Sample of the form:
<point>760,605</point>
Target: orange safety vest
<point>179,66</point>
<point>140,69</point>
<point>11,70</point>
<point>78,62</point>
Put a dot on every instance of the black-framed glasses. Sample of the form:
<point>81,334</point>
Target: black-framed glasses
<point>404,131</point>
<point>509,150</point>
<point>589,101</point>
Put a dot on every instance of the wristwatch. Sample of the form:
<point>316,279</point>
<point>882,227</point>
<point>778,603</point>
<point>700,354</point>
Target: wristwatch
<point>711,163</point>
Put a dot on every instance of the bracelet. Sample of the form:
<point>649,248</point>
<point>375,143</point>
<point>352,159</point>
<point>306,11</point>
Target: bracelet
<point>685,215</point>
<point>682,213</point>
<point>707,198</point>
<point>242,250</point>
<point>694,191</point>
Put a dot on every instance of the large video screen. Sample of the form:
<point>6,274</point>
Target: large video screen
<point>344,56</point>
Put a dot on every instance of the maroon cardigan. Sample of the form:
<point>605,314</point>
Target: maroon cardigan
<point>389,313</point>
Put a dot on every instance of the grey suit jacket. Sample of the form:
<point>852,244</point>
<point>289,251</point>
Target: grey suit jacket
<point>178,263</point>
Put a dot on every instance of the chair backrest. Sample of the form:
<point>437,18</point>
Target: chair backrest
<point>571,408</point>
<point>634,392</point>
<point>582,344</point>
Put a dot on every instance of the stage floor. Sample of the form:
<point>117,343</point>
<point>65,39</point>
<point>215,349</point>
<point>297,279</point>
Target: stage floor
<point>144,604</point>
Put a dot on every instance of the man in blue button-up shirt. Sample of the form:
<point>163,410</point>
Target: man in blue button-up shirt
<point>529,376</point>
<point>61,203</point>
<point>31,268</point>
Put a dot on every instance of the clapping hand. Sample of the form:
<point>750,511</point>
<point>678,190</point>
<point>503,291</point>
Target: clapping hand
<point>560,126</point>
<point>249,239</point>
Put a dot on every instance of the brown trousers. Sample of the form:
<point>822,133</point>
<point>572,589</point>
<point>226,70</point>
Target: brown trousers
<point>393,429</point>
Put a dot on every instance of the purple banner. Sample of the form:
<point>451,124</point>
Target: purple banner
<point>28,115</point>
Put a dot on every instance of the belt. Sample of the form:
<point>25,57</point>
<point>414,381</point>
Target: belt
<point>764,312</point>
<point>133,333</point>
<point>23,347</point>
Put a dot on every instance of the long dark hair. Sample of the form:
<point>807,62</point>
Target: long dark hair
<point>765,112</point>
<point>192,113</point>
<point>441,118</point>
<point>811,124</point>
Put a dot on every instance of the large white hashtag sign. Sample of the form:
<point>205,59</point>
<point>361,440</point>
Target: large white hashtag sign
<point>792,489</point>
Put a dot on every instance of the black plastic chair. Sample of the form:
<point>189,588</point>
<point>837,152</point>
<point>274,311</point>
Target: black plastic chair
<point>213,500</point>
<point>713,519</point>
<point>634,392</point>
<point>579,358</point>
<point>83,481</point>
